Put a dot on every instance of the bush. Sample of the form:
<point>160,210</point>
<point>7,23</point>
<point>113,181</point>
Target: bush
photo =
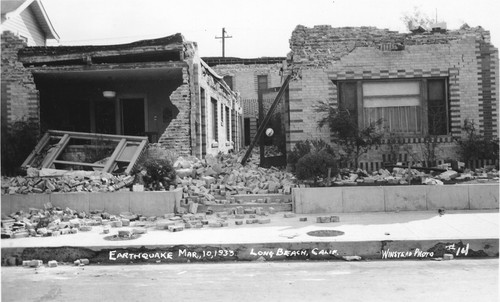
<point>18,141</point>
<point>474,146</point>
<point>314,166</point>
<point>160,174</point>
<point>308,146</point>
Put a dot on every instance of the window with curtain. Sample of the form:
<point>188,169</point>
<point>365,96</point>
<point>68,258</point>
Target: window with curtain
<point>406,106</point>
<point>398,103</point>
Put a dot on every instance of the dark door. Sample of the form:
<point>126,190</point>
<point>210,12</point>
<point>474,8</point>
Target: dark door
<point>133,116</point>
<point>105,116</point>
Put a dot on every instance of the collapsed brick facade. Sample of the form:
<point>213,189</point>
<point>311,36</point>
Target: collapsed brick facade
<point>156,86</point>
<point>465,59</point>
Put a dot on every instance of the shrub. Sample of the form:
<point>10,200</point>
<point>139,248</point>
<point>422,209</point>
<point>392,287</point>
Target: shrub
<point>305,147</point>
<point>160,174</point>
<point>474,146</point>
<point>314,166</point>
<point>18,141</point>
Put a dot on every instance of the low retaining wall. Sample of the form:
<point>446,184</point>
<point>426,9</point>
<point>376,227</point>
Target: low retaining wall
<point>395,198</point>
<point>148,203</point>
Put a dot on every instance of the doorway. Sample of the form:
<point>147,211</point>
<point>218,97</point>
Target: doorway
<point>132,116</point>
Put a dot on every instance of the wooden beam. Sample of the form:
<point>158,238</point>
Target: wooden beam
<point>38,149</point>
<point>111,137</point>
<point>134,158</point>
<point>264,123</point>
<point>74,163</point>
<point>109,166</point>
<point>54,154</point>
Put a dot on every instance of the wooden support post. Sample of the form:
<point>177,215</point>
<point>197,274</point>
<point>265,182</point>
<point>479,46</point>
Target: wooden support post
<point>264,123</point>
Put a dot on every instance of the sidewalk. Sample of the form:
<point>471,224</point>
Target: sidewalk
<point>367,235</point>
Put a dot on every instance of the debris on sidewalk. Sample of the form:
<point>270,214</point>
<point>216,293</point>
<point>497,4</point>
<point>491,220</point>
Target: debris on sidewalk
<point>352,258</point>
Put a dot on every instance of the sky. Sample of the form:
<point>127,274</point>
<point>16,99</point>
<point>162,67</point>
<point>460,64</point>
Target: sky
<point>258,28</point>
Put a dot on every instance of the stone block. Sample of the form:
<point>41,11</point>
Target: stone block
<point>238,222</point>
<point>36,263</point>
<point>303,219</point>
<point>52,263</point>
<point>176,228</point>
<point>139,230</point>
<point>22,234</point>
<point>448,257</point>
<point>85,228</point>
<point>163,225</point>
<point>334,219</point>
<point>125,222</point>
<point>264,220</point>
<point>214,224</point>
<point>322,219</point>
<point>249,221</point>
<point>289,215</point>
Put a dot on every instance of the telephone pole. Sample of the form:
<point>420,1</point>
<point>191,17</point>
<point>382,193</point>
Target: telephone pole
<point>224,37</point>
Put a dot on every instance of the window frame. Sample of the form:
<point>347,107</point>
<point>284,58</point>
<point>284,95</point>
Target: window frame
<point>423,97</point>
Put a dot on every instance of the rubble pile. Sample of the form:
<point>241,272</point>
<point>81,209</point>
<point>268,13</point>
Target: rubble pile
<point>54,221</point>
<point>404,176</point>
<point>222,176</point>
<point>52,180</point>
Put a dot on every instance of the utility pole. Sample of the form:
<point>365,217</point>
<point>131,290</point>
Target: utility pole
<point>224,37</point>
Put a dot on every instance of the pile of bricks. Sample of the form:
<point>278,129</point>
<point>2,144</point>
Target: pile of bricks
<point>70,181</point>
<point>54,221</point>
<point>404,176</point>
<point>220,177</point>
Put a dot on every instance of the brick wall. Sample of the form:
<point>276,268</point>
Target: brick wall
<point>325,55</point>
<point>20,99</point>
<point>177,136</point>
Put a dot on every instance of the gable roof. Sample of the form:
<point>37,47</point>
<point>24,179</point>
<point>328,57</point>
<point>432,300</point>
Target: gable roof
<point>13,8</point>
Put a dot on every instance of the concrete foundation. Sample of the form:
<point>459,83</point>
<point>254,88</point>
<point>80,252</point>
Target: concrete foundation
<point>145,203</point>
<point>395,198</point>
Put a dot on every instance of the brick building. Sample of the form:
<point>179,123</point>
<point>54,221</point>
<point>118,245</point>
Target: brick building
<point>420,83</point>
<point>160,88</point>
<point>253,79</point>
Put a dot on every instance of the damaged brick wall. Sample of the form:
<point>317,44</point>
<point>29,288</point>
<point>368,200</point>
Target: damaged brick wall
<point>465,57</point>
<point>177,136</point>
<point>20,98</point>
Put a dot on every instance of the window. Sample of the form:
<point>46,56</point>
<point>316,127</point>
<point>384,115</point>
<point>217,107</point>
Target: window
<point>229,81</point>
<point>215,131</point>
<point>406,106</point>
<point>261,82</point>
<point>228,132</point>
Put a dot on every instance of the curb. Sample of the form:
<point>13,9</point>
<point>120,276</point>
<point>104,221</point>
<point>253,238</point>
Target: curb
<point>278,251</point>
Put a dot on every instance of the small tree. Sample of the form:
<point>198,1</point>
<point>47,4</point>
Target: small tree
<point>415,19</point>
<point>354,141</point>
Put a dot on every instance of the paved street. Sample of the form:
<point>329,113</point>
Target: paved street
<point>456,280</point>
